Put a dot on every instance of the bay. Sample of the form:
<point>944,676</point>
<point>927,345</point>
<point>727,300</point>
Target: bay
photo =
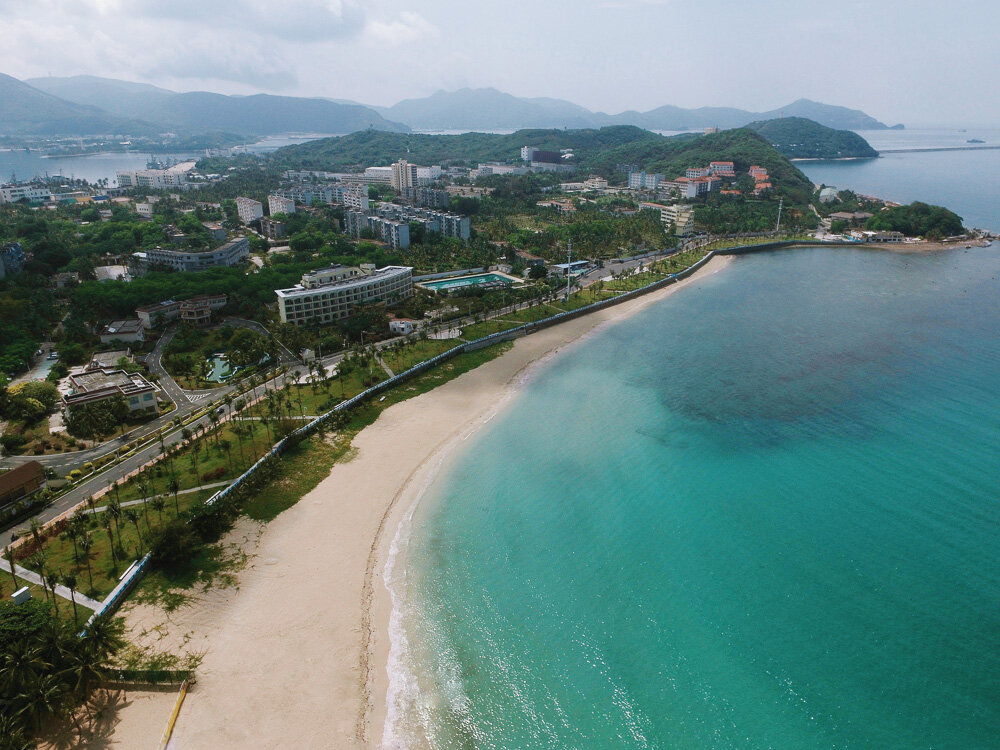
<point>762,513</point>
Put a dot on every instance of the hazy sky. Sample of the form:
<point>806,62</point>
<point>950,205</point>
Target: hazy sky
<point>911,61</point>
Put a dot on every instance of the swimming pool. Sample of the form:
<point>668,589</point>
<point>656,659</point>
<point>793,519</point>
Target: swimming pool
<point>480,279</point>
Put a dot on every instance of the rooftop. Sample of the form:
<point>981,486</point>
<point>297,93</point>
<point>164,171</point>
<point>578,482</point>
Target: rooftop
<point>122,326</point>
<point>381,273</point>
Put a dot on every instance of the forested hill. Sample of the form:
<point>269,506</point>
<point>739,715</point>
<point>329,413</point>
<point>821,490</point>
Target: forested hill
<point>596,151</point>
<point>800,138</point>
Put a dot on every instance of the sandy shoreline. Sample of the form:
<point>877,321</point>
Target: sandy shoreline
<point>296,654</point>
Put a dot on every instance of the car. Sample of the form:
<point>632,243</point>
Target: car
<point>52,355</point>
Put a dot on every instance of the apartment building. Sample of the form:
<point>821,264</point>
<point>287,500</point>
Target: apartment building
<point>394,233</point>
<point>445,223</point>
<point>249,209</point>
<point>278,204</point>
<point>228,254</point>
<point>334,293</point>
<point>429,197</point>
<point>404,175</point>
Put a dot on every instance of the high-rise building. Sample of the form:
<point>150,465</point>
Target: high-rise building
<point>404,175</point>
<point>249,209</point>
<point>278,204</point>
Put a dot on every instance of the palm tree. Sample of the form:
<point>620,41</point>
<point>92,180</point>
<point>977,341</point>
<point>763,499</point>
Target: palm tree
<point>114,510</point>
<point>87,544</point>
<point>48,577</point>
<point>69,581</point>
<point>133,518</point>
<point>174,486</point>
<point>106,522</point>
<point>37,562</point>
<point>143,491</point>
<point>9,554</point>
<point>158,504</point>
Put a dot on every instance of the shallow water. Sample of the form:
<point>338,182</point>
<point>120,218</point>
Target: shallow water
<point>762,512</point>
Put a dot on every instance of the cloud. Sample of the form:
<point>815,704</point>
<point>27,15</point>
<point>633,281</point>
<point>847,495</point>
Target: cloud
<point>408,29</point>
<point>302,20</point>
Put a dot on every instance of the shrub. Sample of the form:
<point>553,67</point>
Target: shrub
<point>218,473</point>
<point>173,544</point>
<point>74,475</point>
<point>13,442</point>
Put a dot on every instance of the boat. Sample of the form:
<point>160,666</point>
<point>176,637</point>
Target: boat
<point>975,140</point>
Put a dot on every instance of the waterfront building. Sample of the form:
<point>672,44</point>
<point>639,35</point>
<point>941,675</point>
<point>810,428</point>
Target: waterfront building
<point>14,192</point>
<point>249,209</point>
<point>330,294</point>
<point>156,179</point>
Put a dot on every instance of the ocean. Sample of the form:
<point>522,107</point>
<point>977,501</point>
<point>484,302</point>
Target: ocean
<point>761,513</point>
<point>967,182</point>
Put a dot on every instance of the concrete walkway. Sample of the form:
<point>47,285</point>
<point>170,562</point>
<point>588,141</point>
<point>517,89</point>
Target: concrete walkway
<point>33,577</point>
<point>130,503</point>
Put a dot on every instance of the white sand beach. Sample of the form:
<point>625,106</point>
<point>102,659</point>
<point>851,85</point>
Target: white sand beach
<point>295,655</point>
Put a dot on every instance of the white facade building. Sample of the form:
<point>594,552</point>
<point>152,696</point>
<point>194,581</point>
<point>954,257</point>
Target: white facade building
<point>249,209</point>
<point>13,192</point>
<point>334,293</point>
<point>277,204</point>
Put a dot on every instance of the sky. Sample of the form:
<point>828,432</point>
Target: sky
<point>919,62</point>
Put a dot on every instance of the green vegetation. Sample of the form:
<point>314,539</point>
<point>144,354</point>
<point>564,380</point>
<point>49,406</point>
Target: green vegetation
<point>799,138</point>
<point>918,220</point>
<point>48,670</point>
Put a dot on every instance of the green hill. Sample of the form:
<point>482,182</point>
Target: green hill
<point>25,109</point>
<point>799,138</point>
<point>596,151</point>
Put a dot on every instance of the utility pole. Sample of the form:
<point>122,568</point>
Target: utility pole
<point>569,263</point>
<point>781,202</point>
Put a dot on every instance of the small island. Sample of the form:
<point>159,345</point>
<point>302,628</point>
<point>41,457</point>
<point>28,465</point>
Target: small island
<point>800,138</point>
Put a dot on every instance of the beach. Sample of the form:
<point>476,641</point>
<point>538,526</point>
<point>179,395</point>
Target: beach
<point>295,653</point>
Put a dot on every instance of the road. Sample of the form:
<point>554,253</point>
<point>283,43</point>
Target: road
<point>147,453</point>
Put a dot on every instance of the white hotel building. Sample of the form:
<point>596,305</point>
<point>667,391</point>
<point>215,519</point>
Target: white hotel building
<point>330,294</point>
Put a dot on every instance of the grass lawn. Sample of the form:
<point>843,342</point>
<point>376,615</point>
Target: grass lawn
<point>478,330</point>
<point>59,554</point>
<point>400,358</point>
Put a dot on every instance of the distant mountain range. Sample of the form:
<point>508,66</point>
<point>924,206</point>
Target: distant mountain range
<point>489,109</point>
<point>85,105</point>
<point>160,110</point>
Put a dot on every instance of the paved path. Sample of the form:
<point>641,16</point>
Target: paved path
<point>129,503</point>
<point>33,577</point>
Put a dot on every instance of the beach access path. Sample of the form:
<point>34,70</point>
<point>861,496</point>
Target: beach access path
<point>295,654</point>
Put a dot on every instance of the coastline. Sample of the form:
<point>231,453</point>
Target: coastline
<point>296,653</point>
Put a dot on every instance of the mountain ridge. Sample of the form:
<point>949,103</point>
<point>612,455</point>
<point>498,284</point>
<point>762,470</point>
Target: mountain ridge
<point>90,103</point>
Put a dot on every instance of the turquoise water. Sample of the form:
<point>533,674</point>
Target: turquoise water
<point>968,182</point>
<point>464,281</point>
<point>762,513</point>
